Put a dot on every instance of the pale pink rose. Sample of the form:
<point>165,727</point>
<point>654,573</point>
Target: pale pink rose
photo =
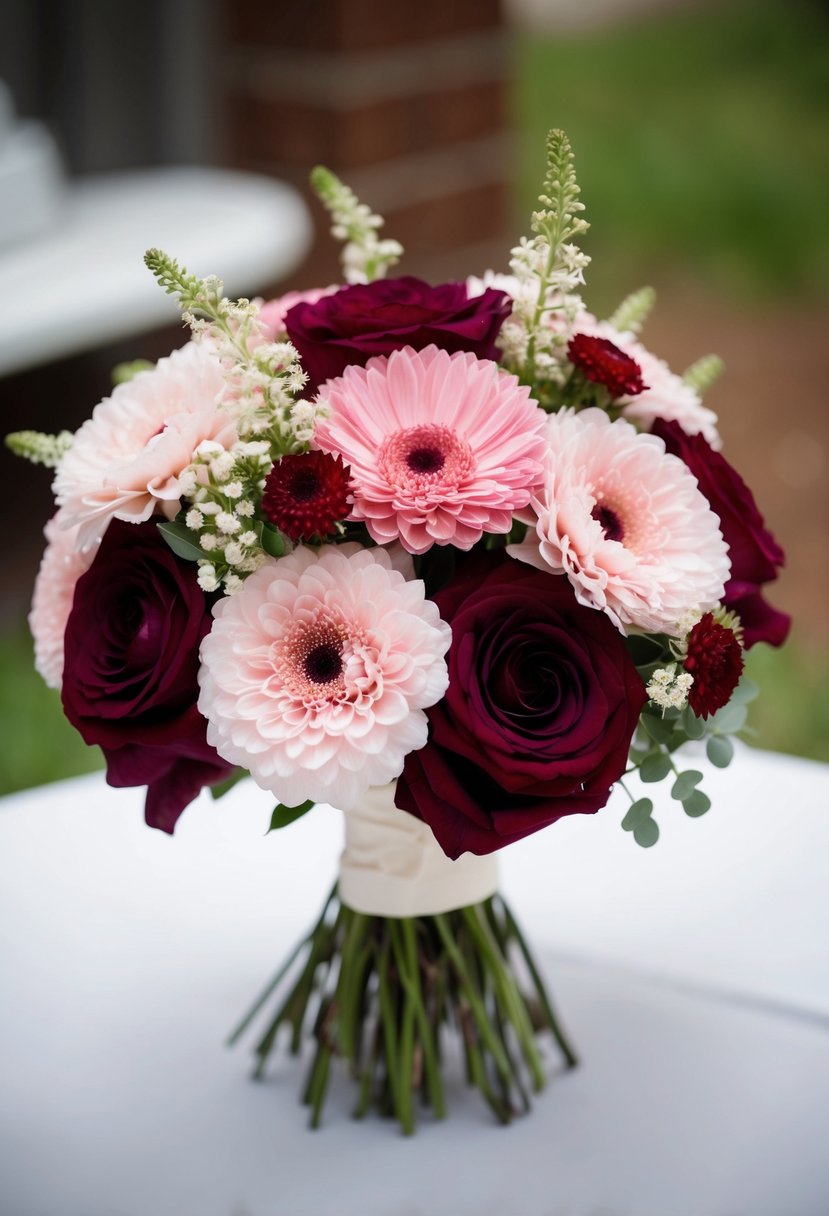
<point>316,673</point>
<point>272,313</point>
<point>442,448</point>
<point>61,566</point>
<point>626,523</point>
<point>666,396</point>
<point>126,460</point>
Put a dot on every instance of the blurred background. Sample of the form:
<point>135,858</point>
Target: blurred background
<point>700,134</point>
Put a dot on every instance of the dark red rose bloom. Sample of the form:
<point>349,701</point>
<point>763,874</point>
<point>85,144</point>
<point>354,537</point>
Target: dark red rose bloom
<point>356,323</point>
<point>131,658</point>
<point>306,494</point>
<point>603,363</point>
<point>755,554</point>
<point>536,724</point>
<point>715,660</point>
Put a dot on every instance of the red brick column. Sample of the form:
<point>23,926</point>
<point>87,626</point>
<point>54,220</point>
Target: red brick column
<point>406,101</point>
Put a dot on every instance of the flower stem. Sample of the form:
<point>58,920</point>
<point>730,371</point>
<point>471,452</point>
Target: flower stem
<point>379,992</point>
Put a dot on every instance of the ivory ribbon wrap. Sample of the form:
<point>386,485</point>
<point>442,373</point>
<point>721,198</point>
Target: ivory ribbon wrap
<point>393,866</point>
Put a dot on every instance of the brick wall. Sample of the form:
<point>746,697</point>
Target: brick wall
<point>406,101</point>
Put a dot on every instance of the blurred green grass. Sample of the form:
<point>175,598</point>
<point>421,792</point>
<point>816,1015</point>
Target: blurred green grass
<point>700,141</point>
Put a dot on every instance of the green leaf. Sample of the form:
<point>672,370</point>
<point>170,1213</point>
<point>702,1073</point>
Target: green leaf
<point>702,374</point>
<point>274,542</point>
<point>693,726</point>
<point>720,751</point>
<point>655,767</point>
<point>180,539</point>
<point>696,804</point>
<point>729,719</point>
<point>745,691</point>
<point>685,784</point>
<point>646,833</point>
<point>122,373</point>
<point>659,729</point>
<point>283,815</point>
<point>221,787</point>
<point>634,310</point>
<point>638,812</point>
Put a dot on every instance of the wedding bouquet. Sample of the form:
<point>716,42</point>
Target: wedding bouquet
<point>456,559</point>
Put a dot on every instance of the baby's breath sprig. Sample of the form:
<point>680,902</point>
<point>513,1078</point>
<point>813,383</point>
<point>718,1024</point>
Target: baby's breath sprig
<point>264,378</point>
<point>40,448</point>
<point>220,529</point>
<point>364,257</point>
<point>550,269</point>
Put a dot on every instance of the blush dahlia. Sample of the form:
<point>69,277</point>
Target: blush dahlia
<point>603,362</point>
<point>715,660</point>
<point>307,494</point>
<point>316,674</point>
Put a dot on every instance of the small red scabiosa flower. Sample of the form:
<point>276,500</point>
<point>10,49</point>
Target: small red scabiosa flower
<point>715,660</point>
<point>306,494</point>
<point>604,363</point>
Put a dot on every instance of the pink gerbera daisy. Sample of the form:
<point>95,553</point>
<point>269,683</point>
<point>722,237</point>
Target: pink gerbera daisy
<point>626,522</point>
<point>316,673</point>
<point>126,460</point>
<point>442,447</point>
<point>60,568</point>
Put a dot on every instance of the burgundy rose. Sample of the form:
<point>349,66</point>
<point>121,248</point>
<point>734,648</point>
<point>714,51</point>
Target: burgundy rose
<point>755,555</point>
<point>356,323</point>
<point>542,703</point>
<point>131,661</point>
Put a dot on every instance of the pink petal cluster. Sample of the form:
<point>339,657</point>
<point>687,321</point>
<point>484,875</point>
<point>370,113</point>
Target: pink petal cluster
<point>316,673</point>
<point>61,566</point>
<point>626,523</point>
<point>126,459</point>
<point>442,448</point>
<point>666,396</point>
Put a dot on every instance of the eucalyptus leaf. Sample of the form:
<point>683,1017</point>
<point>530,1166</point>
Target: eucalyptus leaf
<point>720,751</point>
<point>729,719</point>
<point>696,804</point>
<point>685,784</point>
<point>646,833</point>
<point>745,691</point>
<point>693,726</point>
<point>659,729</point>
<point>180,539</point>
<point>637,813</point>
<point>655,767</point>
<point>283,815</point>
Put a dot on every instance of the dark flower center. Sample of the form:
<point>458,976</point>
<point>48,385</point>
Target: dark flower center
<point>324,663</point>
<point>425,460</point>
<point>305,485</point>
<point>609,521</point>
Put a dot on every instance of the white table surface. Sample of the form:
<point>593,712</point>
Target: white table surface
<point>694,979</point>
<point>85,283</point>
